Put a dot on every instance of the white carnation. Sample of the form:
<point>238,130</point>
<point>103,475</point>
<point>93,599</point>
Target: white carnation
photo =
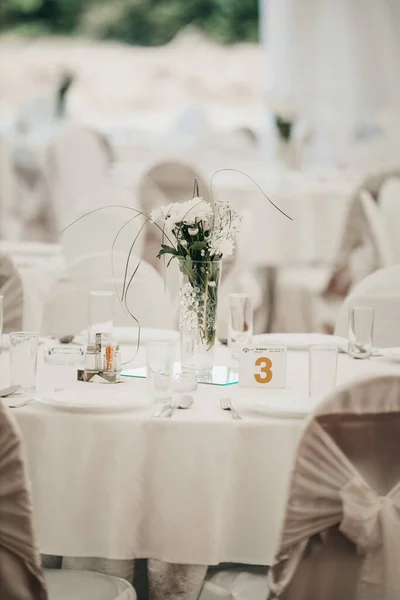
<point>163,213</point>
<point>189,212</point>
<point>194,210</point>
<point>222,246</point>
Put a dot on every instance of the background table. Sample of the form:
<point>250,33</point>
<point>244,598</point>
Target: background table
<point>199,488</point>
<point>317,203</point>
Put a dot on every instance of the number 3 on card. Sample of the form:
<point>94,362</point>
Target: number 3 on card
<point>265,375</point>
<point>263,366</point>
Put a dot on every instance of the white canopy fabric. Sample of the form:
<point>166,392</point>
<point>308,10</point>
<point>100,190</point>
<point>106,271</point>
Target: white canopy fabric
<point>341,56</point>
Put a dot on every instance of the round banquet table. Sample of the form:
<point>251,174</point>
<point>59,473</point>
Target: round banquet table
<point>196,489</point>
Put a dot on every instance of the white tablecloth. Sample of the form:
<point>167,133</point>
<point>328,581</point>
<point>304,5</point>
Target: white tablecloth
<point>198,488</point>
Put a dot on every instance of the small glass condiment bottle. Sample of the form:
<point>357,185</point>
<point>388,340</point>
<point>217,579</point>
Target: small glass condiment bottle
<point>92,359</point>
<point>117,359</point>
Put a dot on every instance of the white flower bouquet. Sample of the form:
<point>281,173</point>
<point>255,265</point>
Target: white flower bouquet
<point>196,230</point>
<point>199,234</point>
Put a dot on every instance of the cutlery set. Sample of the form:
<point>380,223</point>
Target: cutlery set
<point>226,404</point>
<point>10,391</point>
<point>186,402</point>
<point>164,412</point>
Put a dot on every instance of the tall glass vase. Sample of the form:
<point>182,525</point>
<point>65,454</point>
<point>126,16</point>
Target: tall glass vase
<point>198,293</point>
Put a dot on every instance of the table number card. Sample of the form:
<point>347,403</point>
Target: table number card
<point>263,366</point>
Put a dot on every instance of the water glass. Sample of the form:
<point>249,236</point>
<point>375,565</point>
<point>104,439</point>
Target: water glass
<point>101,313</point>
<point>240,324</point>
<point>361,325</point>
<point>160,369</point>
<point>23,359</point>
<point>322,369</point>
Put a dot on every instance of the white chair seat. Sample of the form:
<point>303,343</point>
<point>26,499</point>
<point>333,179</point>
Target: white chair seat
<point>237,583</point>
<point>63,584</point>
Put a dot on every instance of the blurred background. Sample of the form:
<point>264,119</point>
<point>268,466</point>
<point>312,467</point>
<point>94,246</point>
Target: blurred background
<point>129,58</point>
<point>124,102</point>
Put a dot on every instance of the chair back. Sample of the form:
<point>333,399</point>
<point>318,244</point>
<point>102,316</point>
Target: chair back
<point>111,230</point>
<point>20,568</point>
<point>389,200</point>
<point>163,183</point>
<point>33,211</point>
<point>376,232</point>
<point>12,291</point>
<point>37,112</point>
<point>364,247</point>
<point>341,535</point>
<point>145,301</point>
<point>79,161</point>
<point>381,290</point>
<point>100,266</point>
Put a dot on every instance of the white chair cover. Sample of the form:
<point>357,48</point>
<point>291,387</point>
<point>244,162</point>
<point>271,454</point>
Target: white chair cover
<point>12,290</point>
<point>297,299</point>
<point>363,250</point>
<point>86,585</point>
<point>112,229</point>
<point>21,574</point>
<point>66,307</point>
<point>377,239</point>
<point>380,290</point>
<point>389,200</point>
<point>32,210</point>
<point>364,232</point>
<point>308,298</point>
<point>345,488</point>
<point>165,182</point>
<point>79,163</point>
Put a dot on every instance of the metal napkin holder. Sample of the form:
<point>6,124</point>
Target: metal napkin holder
<point>97,374</point>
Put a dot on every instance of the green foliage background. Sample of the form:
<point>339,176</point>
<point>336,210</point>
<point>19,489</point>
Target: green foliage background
<point>143,22</point>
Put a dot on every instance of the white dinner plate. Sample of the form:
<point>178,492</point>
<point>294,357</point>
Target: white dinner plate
<point>300,341</point>
<point>98,400</point>
<point>129,335</point>
<point>391,353</point>
<point>281,405</point>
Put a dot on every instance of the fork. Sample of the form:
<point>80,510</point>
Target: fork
<point>161,412</point>
<point>22,404</point>
<point>226,404</point>
<point>33,399</point>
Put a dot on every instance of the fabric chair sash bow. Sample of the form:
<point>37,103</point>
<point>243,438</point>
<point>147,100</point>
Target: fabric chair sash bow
<point>363,509</point>
<point>327,490</point>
